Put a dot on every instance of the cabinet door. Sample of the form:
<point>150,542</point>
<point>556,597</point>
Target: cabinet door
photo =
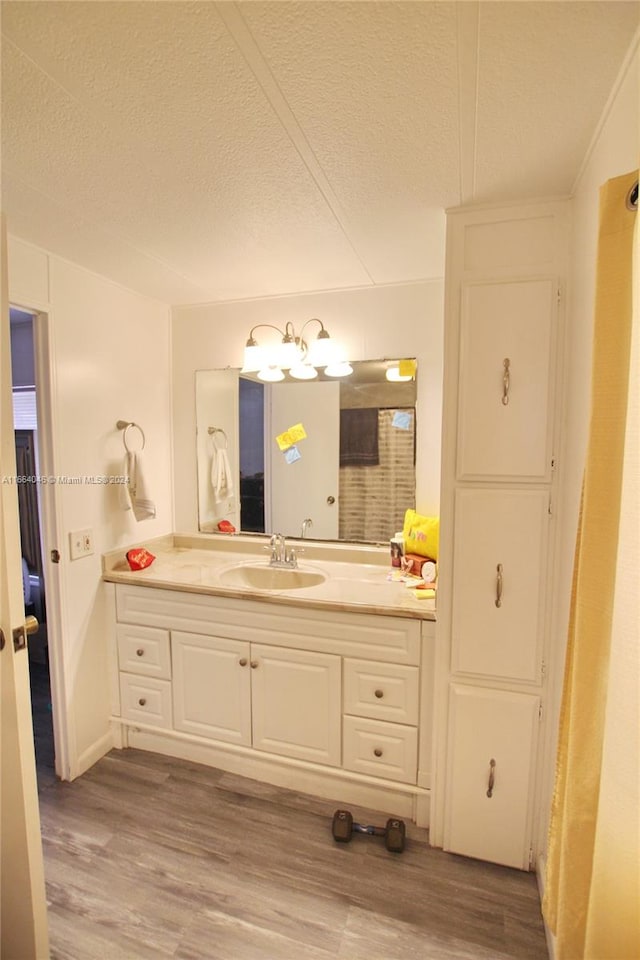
<point>296,703</point>
<point>504,399</point>
<point>490,771</point>
<point>211,687</point>
<point>498,582</point>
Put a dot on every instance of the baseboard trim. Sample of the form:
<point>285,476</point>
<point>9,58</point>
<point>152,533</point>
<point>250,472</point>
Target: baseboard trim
<point>402,800</point>
<point>93,753</point>
<point>540,877</point>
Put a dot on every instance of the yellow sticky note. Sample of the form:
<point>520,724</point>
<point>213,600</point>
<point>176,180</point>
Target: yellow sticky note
<point>291,436</point>
<point>407,368</point>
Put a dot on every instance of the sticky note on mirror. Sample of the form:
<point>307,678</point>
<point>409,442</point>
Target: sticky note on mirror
<point>407,368</point>
<point>401,420</point>
<point>292,454</point>
<point>291,436</point>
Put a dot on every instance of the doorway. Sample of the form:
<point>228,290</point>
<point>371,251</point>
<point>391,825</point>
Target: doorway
<point>25,420</point>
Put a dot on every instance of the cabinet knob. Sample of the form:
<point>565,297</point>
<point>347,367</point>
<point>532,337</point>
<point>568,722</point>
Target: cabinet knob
<point>142,701</point>
<point>377,752</point>
<point>139,652</point>
<point>254,664</point>
<point>243,661</point>
<point>379,694</point>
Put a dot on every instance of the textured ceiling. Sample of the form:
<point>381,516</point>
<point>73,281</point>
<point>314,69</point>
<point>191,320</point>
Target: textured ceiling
<point>212,151</point>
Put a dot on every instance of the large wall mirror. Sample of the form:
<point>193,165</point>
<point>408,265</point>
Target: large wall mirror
<point>327,459</point>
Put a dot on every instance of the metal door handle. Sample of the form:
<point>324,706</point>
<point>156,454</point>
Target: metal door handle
<point>506,381</point>
<point>492,777</point>
<point>499,585</point>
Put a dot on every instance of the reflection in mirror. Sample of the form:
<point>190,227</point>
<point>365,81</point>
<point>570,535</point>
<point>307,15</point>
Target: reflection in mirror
<point>322,459</point>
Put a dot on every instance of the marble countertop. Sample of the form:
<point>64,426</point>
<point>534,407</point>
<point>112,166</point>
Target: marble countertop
<point>357,576</point>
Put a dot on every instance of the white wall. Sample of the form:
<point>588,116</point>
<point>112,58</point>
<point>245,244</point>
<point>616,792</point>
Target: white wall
<point>614,151</point>
<point>109,359</point>
<point>387,321</point>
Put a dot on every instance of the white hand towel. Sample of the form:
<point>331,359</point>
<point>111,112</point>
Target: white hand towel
<point>135,493</point>
<point>221,476</point>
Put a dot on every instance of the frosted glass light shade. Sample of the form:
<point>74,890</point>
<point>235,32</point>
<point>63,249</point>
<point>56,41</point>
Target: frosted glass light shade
<point>340,369</point>
<point>303,371</point>
<point>323,350</point>
<point>271,374</point>
<point>254,358</point>
<point>286,354</point>
<point>393,374</point>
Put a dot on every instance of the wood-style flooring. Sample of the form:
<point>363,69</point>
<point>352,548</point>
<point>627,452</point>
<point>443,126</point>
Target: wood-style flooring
<point>147,857</point>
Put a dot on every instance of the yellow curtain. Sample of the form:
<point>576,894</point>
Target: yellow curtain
<point>587,893</point>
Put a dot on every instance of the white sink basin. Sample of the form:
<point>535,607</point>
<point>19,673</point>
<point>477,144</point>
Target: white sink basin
<point>261,576</point>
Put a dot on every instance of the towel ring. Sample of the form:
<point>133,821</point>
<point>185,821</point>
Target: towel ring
<point>126,425</point>
<point>212,432</point>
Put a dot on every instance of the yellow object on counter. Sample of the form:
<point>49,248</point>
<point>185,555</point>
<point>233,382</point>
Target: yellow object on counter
<point>424,594</point>
<point>421,534</point>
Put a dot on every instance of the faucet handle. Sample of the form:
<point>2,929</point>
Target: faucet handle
<point>291,558</point>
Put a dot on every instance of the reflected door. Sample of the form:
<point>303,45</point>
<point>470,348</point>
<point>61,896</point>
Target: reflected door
<point>304,483</point>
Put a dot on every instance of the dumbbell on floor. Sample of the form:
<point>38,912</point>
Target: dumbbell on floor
<point>343,828</point>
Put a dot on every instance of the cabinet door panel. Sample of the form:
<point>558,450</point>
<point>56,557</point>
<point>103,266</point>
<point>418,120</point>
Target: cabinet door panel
<point>211,687</point>
<point>296,703</point>
<point>514,322</point>
<point>485,726</point>
<point>492,528</point>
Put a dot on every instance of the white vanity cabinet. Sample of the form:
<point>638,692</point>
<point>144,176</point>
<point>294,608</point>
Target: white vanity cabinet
<point>326,701</point>
<point>505,269</point>
<point>283,701</point>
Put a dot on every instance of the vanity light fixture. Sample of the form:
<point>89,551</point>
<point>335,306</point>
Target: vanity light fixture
<point>401,371</point>
<point>295,354</point>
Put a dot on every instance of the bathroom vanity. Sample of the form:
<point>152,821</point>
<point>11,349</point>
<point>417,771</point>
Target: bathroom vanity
<point>319,679</point>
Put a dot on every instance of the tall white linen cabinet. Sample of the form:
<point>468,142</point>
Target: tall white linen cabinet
<point>505,301</point>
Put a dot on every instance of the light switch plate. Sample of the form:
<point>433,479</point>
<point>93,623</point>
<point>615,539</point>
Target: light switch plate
<point>80,543</point>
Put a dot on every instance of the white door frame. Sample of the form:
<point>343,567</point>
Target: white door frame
<point>63,727</point>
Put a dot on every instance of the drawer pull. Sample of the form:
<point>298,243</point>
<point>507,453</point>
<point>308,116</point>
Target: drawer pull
<point>243,662</point>
<point>379,694</point>
<point>142,701</point>
<point>254,664</point>
<point>377,752</point>
<point>492,777</point>
<point>139,652</point>
<point>506,381</point>
<point>499,585</point>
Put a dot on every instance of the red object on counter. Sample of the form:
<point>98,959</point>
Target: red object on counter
<point>139,558</point>
<point>225,526</point>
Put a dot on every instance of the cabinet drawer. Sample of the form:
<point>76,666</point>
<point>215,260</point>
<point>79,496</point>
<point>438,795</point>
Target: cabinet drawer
<point>380,749</point>
<point>144,650</point>
<point>146,700</point>
<point>382,691</point>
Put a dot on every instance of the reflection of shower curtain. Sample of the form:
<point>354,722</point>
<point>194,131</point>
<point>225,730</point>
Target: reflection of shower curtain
<point>373,499</point>
<point>592,881</point>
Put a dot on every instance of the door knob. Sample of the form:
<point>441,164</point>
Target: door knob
<point>20,633</point>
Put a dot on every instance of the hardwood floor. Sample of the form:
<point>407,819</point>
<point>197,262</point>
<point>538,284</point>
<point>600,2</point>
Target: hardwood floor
<point>149,857</point>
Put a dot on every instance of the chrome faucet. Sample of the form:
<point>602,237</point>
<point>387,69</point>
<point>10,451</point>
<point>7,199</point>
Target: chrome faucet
<point>280,556</point>
<point>305,526</point>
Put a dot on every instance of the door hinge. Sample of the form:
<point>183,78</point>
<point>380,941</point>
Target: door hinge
<point>55,556</point>
<point>540,711</point>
